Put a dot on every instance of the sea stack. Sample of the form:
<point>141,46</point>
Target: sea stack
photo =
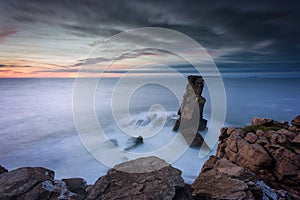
<point>190,113</point>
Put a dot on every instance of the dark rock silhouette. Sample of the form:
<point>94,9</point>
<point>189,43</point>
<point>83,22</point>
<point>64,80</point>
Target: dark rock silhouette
<point>134,142</point>
<point>190,113</point>
<point>76,185</point>
<point>2,170</point>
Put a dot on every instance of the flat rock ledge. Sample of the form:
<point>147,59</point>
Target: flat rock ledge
<point>260,161</point>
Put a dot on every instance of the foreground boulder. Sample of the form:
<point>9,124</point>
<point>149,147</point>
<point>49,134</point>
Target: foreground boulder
<point>25,183</point>
<point>33,183</point>
<point>190,113</point>
<point>269,149</point>
<point>143,178</point>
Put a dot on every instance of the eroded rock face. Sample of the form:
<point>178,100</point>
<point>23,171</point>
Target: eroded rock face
<point>272,153</point>
<point>158,181</point>
<point>191,112</point>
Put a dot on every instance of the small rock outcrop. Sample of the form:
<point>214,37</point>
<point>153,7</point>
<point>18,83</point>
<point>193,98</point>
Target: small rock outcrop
<point>143,178</point>
<point>134,142</point>
<point>190,113</point>
<point>268,149</point>
<point>268,122</point>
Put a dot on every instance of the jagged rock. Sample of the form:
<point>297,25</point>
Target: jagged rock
<point>191,110</point>
<point>76,185</point>
<point>222,179</point>
<point>251,156</point>
<point>143,178</point>
<point>134,142</point>
<point>33,183</point>
<point>273,155</point>
<point>262,121</point>
<point>295,125</point>
<point>2,170</point>
<point>268,122</point>
<point>25,183</point>
<point>296,121</point>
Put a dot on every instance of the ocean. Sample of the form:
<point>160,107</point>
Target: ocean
<point>37,126</point>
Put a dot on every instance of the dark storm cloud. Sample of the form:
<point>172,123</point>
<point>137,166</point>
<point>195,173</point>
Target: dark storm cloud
<point>182,69</point>
<point>132,54</point>
<point>14,66</point>
<point>238,31</point>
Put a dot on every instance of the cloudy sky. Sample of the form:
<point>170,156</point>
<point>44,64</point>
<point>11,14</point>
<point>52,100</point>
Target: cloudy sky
<point>53,38</point>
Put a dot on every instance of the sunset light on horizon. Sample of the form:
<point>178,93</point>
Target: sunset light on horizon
<point>52,39</point>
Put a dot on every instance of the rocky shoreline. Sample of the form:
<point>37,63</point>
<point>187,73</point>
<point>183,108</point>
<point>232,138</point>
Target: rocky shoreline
<point>261,161</point>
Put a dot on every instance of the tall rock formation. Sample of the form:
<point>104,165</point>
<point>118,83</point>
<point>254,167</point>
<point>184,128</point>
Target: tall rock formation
<point>190,113</point>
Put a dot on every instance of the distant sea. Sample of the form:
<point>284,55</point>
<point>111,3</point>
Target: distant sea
<point>37,127</point>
